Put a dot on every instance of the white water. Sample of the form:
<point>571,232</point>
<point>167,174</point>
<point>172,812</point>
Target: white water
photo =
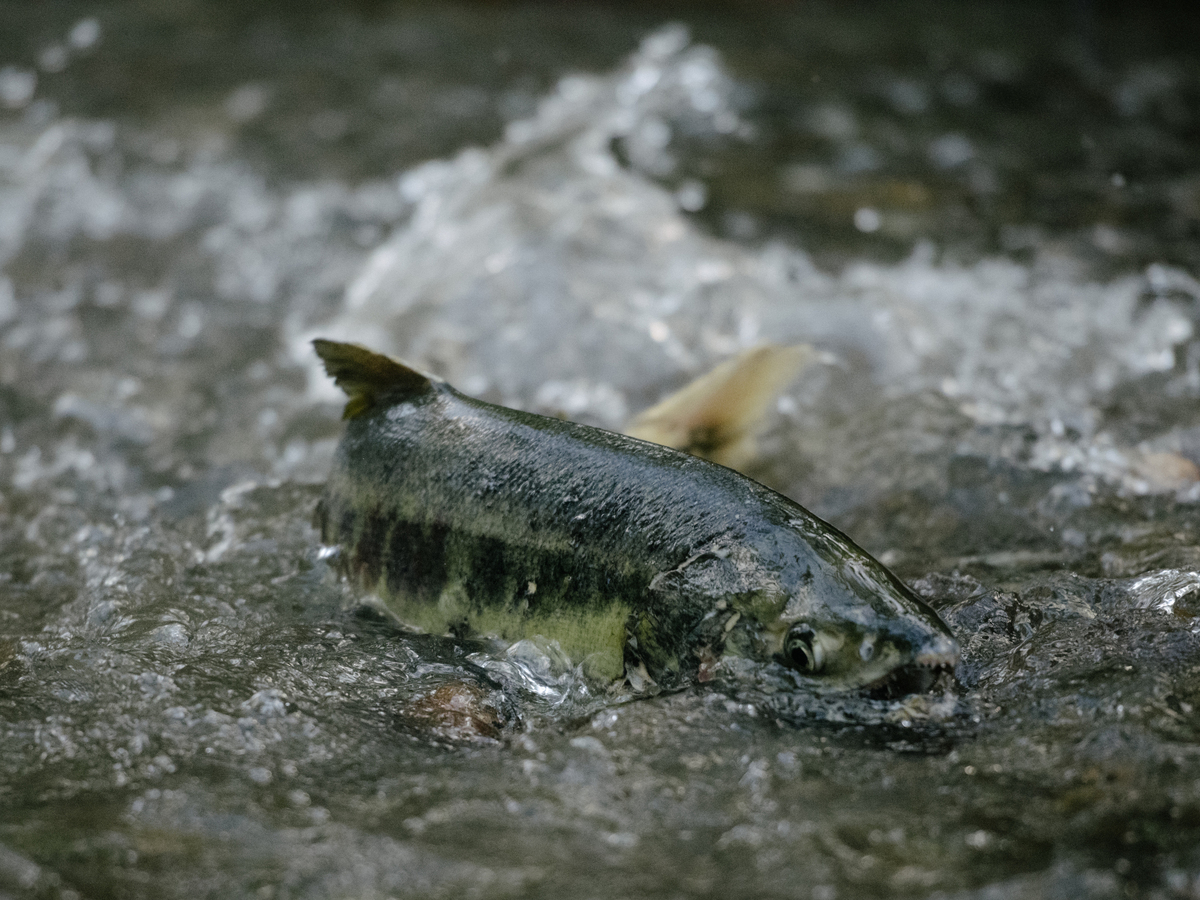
<point>190,704</point>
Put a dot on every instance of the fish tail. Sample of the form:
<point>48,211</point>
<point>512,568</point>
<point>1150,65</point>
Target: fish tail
<point>366,376</point>
<point>717,415</point>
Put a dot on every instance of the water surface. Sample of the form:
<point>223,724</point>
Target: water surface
<point>986,218</point>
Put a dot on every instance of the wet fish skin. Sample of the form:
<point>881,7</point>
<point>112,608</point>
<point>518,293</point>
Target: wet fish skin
<point>641,561</point>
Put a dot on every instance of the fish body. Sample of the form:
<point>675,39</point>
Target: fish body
<point>642,562</point>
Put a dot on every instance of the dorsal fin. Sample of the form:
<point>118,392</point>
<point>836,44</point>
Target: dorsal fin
<point>366,376</point>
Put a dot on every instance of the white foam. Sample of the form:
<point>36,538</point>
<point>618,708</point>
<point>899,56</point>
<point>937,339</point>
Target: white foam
<point>543,261</point>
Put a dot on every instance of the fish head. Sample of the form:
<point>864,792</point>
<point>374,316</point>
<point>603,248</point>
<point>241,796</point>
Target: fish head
<point>845,621</point>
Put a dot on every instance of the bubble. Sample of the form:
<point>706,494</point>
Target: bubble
<point>248,102</point>
<point>53,58</point>
<point>908,96</point>
<point>951,150</point>
<point>17,87</point>
<point>867,220</point>
<point>84,34</point>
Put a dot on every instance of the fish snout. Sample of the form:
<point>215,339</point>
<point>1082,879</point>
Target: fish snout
<point>931,665</point>
<point>940,652</point>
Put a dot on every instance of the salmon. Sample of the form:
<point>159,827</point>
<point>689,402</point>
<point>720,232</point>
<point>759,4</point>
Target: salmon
<point>645,564</point>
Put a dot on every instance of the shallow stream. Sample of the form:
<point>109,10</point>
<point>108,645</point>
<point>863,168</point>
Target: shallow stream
<point>986,218</point>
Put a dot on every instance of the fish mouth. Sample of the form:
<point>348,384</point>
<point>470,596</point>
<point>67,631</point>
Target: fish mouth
<point>933,665</point>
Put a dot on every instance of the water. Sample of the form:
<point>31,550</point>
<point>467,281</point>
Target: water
<point>991,236</point>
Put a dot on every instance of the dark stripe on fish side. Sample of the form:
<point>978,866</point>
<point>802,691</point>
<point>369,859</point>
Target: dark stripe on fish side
<point>369,547</point>
<point>416,560</point>
<point>362,536</point>
<point>531,580</point>
<point>346,523</point>
<point>334,524</point>
<point>492,576</point>
<point>422,557</point>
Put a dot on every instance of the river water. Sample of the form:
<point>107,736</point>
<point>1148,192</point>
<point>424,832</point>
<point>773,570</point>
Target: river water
<point>987,219</point>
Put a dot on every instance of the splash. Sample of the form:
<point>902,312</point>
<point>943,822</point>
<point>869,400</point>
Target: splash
<point>564,243</point>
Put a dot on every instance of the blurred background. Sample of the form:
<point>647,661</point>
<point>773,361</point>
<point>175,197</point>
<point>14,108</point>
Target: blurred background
<point>972,122</point>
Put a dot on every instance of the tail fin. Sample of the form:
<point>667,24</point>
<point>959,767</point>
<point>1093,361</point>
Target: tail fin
<point>716,416</point>
<point>367,376</point>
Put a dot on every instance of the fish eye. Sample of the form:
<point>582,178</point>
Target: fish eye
<point>802,650</point>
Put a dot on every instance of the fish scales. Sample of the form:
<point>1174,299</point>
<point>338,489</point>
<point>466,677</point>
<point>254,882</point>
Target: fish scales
<point>519,513</point>
<point>466,517</point>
